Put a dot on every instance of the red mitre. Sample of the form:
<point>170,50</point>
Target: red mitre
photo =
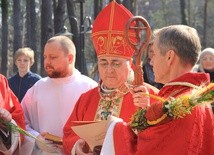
<point>108,33</point>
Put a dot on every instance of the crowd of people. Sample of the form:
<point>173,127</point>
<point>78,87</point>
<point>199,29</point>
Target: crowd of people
<point>52,105</point>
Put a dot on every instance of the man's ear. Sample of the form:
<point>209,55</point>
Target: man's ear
<point>70,58</point>
<point>170,55</point>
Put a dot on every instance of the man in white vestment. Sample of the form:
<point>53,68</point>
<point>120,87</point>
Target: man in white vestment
<point>48,104</point>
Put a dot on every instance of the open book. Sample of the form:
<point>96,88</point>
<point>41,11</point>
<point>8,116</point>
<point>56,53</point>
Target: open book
<point>93,132</point>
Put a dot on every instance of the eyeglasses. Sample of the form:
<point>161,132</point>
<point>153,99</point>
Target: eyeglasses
<point>114,64</point>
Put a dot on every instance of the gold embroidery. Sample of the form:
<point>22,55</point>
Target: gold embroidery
<point>110,104</point>
<point>114,45</point>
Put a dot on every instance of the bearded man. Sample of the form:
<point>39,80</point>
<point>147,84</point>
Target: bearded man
<point>48,104</point>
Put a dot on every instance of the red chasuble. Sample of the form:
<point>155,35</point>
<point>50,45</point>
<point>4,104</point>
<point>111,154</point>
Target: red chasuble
<point>86,110</point>
<point>191,135</point>
<point>10,102</point>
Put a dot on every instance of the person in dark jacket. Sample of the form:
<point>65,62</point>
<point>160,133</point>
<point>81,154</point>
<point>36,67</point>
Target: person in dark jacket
<point>24,78</point>
<point>148,73</point>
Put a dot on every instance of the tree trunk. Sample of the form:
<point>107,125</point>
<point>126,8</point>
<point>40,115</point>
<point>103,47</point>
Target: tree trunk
<point>17,24</point>
<point>78,37</point>
<point>4,56</point>
<point>183,14</point>
<point>98,5</point>
<point>204,40</point>
<point>164,11</point>
<point>127,4</point>
<point>189,12</point>
<point>74,30</point>
<point>118,1</point>
<point>59,13</point>
<point>46,28</point>
<point>31,38</point>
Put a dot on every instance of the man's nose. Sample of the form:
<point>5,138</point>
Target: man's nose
<point>110,68</point>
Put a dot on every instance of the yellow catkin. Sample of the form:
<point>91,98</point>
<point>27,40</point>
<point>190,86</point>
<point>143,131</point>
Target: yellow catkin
<point>155,97</point>
<point>185,101</point>
<point>158,120</point>
<point>208,88</point>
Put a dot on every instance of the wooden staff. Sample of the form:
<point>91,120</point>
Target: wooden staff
<point>140,28</point>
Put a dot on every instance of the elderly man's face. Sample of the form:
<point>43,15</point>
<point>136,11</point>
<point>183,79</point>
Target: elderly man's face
<point>113,71</point>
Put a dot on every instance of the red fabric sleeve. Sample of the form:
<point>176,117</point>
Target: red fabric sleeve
<point>11,103</point>
<point>192,135</point>
<point>125,144</point>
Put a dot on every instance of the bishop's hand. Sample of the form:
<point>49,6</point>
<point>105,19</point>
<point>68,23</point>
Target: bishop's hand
<point>81,148</point>
<point>140,96</point>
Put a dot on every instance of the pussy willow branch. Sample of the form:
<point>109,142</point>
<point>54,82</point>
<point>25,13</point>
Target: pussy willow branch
<point>15,128</point>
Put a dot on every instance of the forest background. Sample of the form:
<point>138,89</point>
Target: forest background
<point>30,23</point>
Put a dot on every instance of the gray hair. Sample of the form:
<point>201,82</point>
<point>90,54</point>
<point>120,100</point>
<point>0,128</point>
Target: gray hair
<point>184,40</point>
